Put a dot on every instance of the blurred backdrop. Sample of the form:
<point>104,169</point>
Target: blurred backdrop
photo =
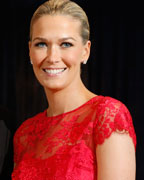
<point>115,68</point>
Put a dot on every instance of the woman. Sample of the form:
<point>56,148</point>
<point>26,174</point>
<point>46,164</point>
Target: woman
<point>81,135</point>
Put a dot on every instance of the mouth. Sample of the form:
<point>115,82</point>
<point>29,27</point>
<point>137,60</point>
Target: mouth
<point>53,72</point>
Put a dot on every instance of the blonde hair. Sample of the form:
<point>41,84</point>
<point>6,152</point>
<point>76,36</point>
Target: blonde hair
<point>63,7</point>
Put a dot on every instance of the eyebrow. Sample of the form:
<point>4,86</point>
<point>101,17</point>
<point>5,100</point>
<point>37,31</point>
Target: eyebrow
<point>39,38</point>
<point>67,38</point>
<point>61,39</point>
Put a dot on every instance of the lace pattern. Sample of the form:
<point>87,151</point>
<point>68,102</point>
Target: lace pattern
<point>63,147</point>
<point>113,117</point>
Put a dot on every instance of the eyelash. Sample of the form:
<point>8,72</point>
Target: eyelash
<point>66,44</point>
<point>40,44</point>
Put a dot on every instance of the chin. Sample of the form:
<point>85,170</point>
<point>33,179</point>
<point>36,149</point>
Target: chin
<point>53,87</point>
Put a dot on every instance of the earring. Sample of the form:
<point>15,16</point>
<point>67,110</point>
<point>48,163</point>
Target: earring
<point>84,62</point>
<point>31,62</point>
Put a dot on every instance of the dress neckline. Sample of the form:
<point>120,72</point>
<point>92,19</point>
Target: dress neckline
<point>90,101</point>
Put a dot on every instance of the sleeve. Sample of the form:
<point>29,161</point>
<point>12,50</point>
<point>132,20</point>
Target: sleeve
<point>113,116</point>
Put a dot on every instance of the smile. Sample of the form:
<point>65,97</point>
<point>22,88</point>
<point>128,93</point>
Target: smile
<point>54,71</point>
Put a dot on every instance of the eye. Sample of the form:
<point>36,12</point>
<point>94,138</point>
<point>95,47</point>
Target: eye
<point>66,44</point>
<point>41,44</point>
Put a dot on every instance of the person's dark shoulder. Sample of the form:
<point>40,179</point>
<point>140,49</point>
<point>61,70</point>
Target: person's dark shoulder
<point>8,116</point>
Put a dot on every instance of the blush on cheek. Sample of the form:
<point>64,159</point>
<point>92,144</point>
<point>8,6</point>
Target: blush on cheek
<point>72,59</point>
<point>38,58</point>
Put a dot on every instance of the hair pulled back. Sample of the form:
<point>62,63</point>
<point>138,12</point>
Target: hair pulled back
<point>63,7</point>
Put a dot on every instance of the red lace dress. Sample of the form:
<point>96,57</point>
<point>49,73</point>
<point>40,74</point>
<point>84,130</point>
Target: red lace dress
<point>63,147</point>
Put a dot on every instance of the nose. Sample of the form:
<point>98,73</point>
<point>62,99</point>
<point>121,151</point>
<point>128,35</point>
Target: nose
<point>53,55</point>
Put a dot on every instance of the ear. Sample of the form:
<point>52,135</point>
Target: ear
<point>86,52</point>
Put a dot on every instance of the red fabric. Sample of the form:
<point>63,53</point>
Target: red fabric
<point>63,147</point>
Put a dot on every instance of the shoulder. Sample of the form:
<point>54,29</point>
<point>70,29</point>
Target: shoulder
<point>113,116</point>
<point>102,102</point>
<point>26,134</point>
<point>107,101</point>
<point>108,108</point>
<point>113,107</point>
<point>115,141</point>
<point>29,125</point>
<point>117,109</point>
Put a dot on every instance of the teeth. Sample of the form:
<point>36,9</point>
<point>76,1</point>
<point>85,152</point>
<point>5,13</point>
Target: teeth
<point>54,71</point>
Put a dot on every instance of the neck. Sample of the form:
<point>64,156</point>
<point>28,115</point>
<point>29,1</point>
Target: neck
<point>67,99</point>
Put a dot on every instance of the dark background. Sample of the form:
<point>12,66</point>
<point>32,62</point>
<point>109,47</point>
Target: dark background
<point>115,68</point>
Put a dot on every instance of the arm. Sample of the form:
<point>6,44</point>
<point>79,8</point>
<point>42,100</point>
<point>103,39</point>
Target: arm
<point>116,158</point>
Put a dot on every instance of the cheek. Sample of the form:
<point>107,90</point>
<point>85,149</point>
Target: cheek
<point>73,58</point>
<point>37,56</point>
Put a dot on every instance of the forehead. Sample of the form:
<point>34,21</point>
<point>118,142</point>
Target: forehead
<point>56,24</point>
